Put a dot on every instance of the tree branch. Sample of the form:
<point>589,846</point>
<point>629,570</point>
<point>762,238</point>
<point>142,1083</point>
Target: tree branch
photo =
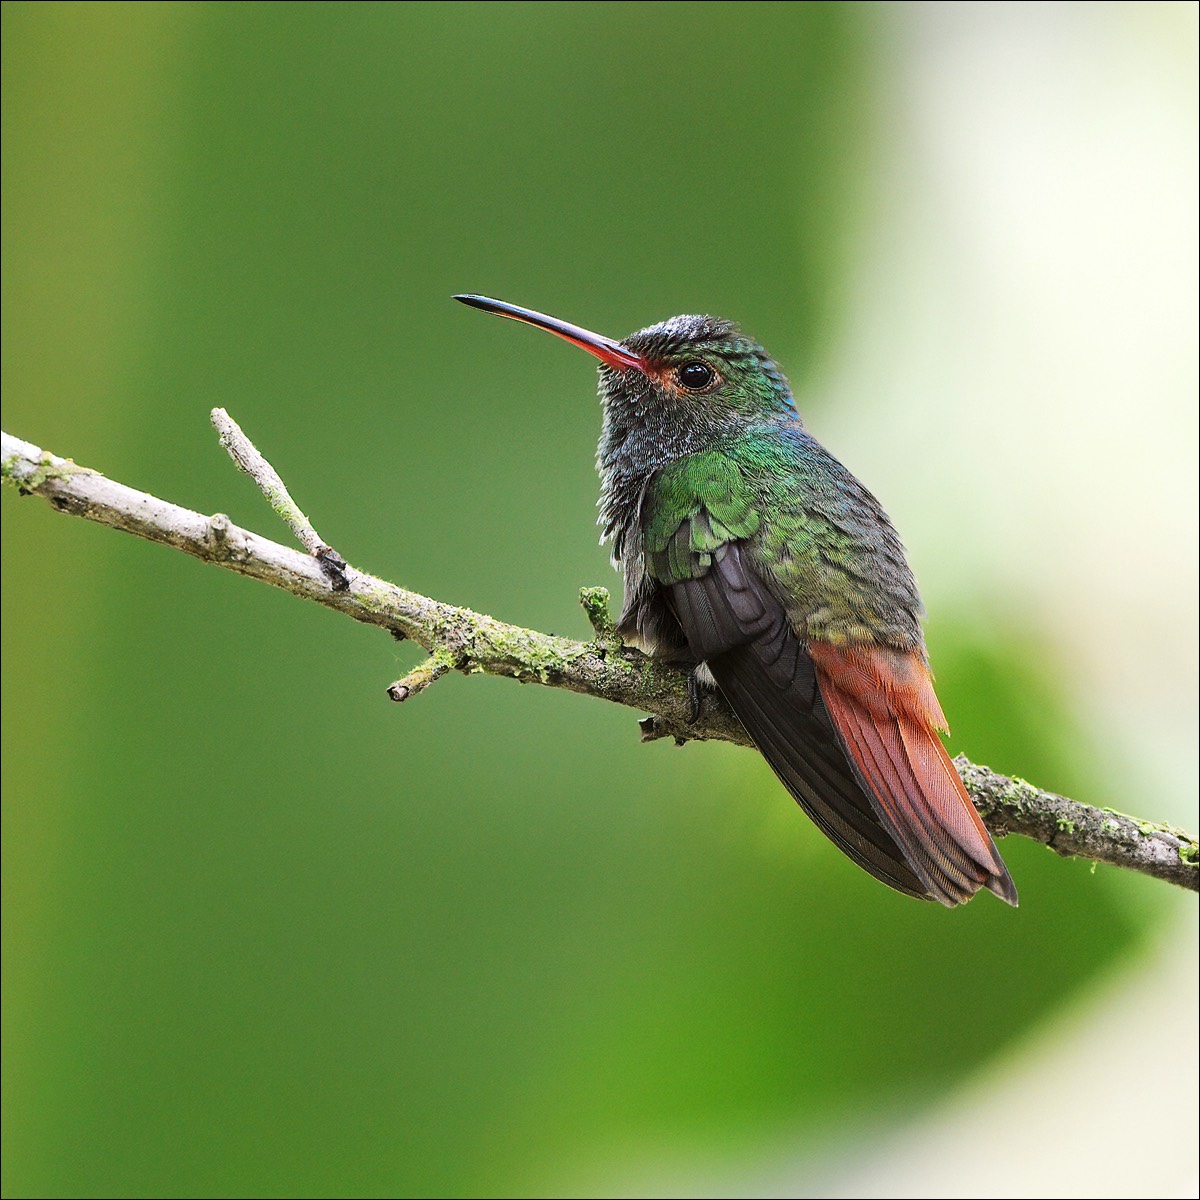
<point>247,457</point>
<point>471,642</point>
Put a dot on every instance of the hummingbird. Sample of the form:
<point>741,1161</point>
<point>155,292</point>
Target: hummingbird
<point>753,559</point>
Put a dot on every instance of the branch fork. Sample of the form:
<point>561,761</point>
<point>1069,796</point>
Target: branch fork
<point>247,458</point>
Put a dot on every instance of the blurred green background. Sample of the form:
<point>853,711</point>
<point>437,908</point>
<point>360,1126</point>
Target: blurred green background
<point>266,933</point>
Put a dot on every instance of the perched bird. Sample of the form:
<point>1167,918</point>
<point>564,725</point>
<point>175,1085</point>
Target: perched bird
<point>754,558</point>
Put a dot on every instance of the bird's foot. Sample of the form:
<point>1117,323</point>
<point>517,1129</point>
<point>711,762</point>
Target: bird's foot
<point>695,691</point>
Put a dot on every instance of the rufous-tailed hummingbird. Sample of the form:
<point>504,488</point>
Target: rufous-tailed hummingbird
<point>751,555</point>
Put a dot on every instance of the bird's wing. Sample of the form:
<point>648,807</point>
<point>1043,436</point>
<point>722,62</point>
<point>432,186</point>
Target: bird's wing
<point>869,772</point>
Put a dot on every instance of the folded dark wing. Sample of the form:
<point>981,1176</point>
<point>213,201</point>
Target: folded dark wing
<point>734,623</point>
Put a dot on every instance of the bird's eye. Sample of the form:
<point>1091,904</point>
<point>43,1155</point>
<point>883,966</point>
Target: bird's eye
<point>695,376</point>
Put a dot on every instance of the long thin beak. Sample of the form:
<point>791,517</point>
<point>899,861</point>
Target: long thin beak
<point>605,349</point>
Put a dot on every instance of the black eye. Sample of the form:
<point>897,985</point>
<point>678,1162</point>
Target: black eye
<point>695,375</point>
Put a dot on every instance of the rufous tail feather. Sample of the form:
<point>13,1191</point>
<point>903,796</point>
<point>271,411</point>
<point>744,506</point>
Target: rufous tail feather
<point>883,706</point>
